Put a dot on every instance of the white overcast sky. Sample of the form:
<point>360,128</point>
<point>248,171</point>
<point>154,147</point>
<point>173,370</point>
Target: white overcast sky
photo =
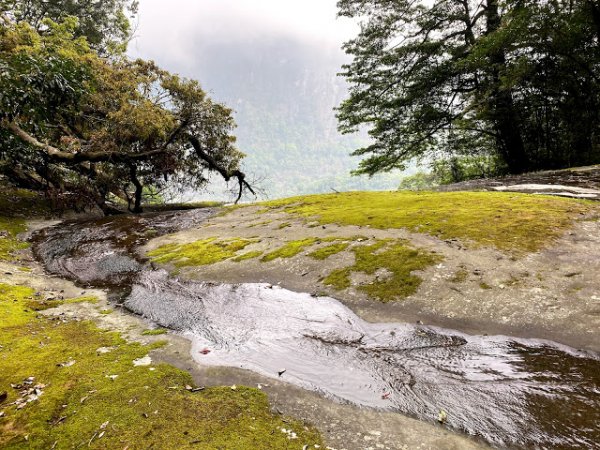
<point>165,28</point>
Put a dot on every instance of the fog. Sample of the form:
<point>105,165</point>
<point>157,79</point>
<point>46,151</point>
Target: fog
<point>168,31</point>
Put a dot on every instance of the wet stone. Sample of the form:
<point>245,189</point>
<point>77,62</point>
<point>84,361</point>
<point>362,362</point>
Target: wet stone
<point>510,392</point>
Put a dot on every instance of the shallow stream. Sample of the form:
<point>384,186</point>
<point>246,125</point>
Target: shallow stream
<point>509,392</point>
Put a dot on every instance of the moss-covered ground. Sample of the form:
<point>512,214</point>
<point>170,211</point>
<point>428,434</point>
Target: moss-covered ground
<point>199,253</point>
<point>290,249</point>
<point>79,388</point>
<point>15,205</point>
<point>395,259</point>
<point>10,227</point>
<point>16,202</point>
<point>508,221</point>
<point>329,250</point>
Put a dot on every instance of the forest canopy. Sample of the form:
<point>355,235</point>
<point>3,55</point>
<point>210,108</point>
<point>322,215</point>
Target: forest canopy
<point>86,124</point>
<point>514,83</point>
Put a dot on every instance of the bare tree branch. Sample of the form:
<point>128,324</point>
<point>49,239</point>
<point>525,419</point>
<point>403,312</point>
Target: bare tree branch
<point>226,174</point>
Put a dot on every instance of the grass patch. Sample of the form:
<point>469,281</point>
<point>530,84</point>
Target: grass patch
<point>508,221</point>
<point>155,332</point>
<point>199,253</point>
<point>284,225</point>
<point>10,227</point>
<point>93,400</point>
<point>289,249</point>
<point>399,261</point>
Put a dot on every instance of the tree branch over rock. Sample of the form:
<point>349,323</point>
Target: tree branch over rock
<point>98,124</point>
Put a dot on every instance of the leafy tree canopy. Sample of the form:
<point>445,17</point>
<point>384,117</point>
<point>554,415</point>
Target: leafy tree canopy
<point>104,23</point>
<point>516,80</point>
<point>90,127</point>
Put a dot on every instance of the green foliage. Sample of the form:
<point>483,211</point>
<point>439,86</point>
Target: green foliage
<point>510,222</point>
<point>514,82</point>
<point>199,253</point>
<point>86,127</point>
<point>462,168</point>
<point>396,258</point>
<point>105,25</point>
<point>420,181</point>
<point>101,400</point>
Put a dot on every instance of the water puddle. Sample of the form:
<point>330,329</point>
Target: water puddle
<point>510,392</point>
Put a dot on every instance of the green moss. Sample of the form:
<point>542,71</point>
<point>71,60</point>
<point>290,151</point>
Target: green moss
<point>260,224</point>
<point>22,202</point>
<point>508,221</point>
<point>460,276</point>
<point>155,332</point>
<point>25,269</point>
<point>484,285</point>
<point>87,299</point>
<point>39,304</point>
<point>330,250</point>
<point>399,261</point>
<point>289,249</point>
<point>248,255</point>
<point>106,312</point>
<point>284,225</point>
<point>103,401</point>
<point>199,253</point>
<point>9,244</point>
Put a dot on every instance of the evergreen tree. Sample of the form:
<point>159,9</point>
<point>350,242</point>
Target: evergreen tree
<point>516,80</point>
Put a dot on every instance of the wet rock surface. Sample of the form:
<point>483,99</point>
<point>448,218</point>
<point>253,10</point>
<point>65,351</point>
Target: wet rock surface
<point>510,392</point>
<point>583,182</point>
<point>101,252</point>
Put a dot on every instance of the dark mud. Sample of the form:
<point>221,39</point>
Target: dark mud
<point>510,392</point>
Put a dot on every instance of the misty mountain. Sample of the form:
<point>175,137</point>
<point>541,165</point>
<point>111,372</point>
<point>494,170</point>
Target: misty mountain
<point>283,92</point>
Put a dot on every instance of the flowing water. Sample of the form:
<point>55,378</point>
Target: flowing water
<point>510,392</point>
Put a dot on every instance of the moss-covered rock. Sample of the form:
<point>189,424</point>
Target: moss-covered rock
<point>508,221</point>
<point>199,253</point>
<point>63,393</point>
<point>396,258</point>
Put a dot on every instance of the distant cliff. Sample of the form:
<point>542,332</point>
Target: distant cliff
<point>284,92</point>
